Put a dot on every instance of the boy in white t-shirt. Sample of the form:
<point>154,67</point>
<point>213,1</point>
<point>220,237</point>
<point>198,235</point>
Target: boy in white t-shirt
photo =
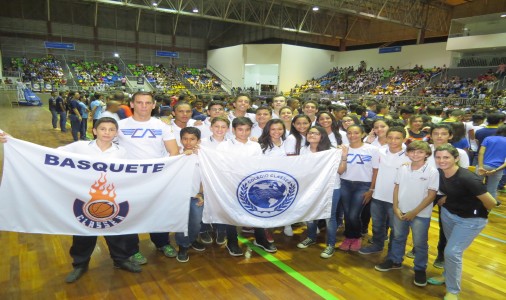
<point>415,189</point>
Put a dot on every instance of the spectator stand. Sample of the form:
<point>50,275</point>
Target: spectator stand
<point>201,78</point>
<point>44,74</point>
<point>96,76</point>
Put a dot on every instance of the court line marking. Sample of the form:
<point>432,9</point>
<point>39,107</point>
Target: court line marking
<point>481,234</point>
<point>289,270</point>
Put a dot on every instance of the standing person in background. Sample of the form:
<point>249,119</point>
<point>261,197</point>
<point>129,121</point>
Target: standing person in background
<point>262,116</point>
<point>278,102</point>
<point>294,104</point>
<point>61,110</point>
<point>84,110</point>
<point>415,130</point>
<point>329,123</point>
<point>492,159</point>
<point>75,116</point>
<point>310,108</point>
<point>52,110</point>
<point>464,214</point>
<point>97,106</point>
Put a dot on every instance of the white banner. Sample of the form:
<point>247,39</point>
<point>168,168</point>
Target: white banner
<point>267,192</point>
<point>45,190</point>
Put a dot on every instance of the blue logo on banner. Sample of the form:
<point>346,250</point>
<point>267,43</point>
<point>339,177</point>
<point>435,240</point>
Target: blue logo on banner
<point>167,54</point>
<point>267,194</point>
<point>390,49</point>
<point>55,45</point>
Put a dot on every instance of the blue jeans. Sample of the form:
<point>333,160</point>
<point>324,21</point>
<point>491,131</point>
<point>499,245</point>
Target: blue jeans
<point>420,230</point>
<point>382,214</point>
<point>194,221</point>
<point>460,233</point>
<point>75,125</point>
<point>331,223</point>
<point>352,196</point>
<point>63,121</point>
<point>54,118</point>
<point>83,129</point>
<point>493,181</point>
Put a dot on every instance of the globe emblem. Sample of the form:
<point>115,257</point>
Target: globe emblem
<point>267,193</point>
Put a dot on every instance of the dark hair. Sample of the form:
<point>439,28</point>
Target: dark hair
<point>495,118</point>
<point>265,140</point>
<point>336,108</point>
<point>264,108</point>
<point>241,95</point>
<point>358,126</point>
<point>239,121</point>
<point>139,94</point>
<point>190,130</point>
<point>448,147</point>
<point>106,120</point>
<point>386,121</point>
<point>214,103</point>
<point>180,103</point>
<point>459,131</point>
<point>501,131</point>
<point>324,143</point>
<point>407,110</point>
<point>442,125</point>
<point>397,129</point>
<point>310,101</point>
<point>334,126</point>
<point>296,134</point>
<point>379,107</point>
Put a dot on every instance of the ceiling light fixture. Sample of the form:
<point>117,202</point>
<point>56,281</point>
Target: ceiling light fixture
<point>316,8</point>
<point>195,10</point>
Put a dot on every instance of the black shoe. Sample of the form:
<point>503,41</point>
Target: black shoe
<point>76,274</point>
<point>221,238</point>
<point>388,265</point>
<point>234,250</point>
<point>269,247</point>
<point>206,237</point>
<point>198,246</point>
<point>420,278</point>
<point>128,266</point>
<point>182,255</point>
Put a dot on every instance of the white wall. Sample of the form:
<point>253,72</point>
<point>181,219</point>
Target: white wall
<point>477,42</point>
<point>228,61</point>
<point>262,54</point>
<point>262,73</point>
<point>428,55</point>
<point>299,64</point>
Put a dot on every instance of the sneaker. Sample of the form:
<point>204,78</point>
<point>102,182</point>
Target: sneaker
<point>198,246</point>
<point>268,236</point>
<point>410,254</point>
<point>234,250</point>
<point>420,278</point>
<point>75,274</point>
<point>356,244</point>
<point>182,255</point>
<point>168,251</point>
<point>438,280</point>
<point>328,252</point>
<point>221,238</point>
<point>138,258</point>
<point>388,265</point>
<point>206,237</point>
<point>247,230</point>
<point>450,296</point>
<point>128,266</point>
<point>345,245</point>
<point>288,231</point>
<point>269,247</point>
<point>439,263</point>
<point>370,250</point>
<point>306,243</point>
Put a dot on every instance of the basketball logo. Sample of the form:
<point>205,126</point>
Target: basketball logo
<point>101,211</point>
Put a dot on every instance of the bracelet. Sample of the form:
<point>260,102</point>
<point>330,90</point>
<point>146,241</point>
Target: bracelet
<point>372,190</point>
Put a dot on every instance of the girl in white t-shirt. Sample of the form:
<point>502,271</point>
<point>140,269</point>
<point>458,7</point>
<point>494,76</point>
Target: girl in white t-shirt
<point>286,115</point>
<point>318,140</point>
<point>329,123</point>
<point>357,185</point>
<point>297,137</point>
<point>272,138</point>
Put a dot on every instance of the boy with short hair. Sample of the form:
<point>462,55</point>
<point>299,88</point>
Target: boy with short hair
<point>310,108</point>
<point>190,138</point>
<point>415,189</point>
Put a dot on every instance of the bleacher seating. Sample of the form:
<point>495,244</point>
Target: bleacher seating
<point>96,75</point>
<point>42,70</point>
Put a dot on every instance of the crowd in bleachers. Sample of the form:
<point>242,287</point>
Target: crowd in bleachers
<point>41,70</point>
<point>456,87</point>
<point>160,77</point>
<point>202,79</point>
<point>404,82</point>
<point>99,76</point>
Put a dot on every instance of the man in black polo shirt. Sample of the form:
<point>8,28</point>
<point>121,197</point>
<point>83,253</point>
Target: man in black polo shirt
<point>75,116</point>
<point>60,109</point>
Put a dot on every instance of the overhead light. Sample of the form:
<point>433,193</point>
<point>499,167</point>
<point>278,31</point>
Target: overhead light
<point>316,8</point>
<point>195,10</point>
<point>503,16</point>
<point>154,4</point>
<point>116,55</point>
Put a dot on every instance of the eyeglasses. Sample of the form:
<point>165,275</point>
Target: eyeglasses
<point>313,133</point>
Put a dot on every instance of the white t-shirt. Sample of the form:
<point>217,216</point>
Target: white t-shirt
<point>211,142</point>
<point>291,142</point>
<point>205,128</point>
<point>389,163</point>
<point>196,180</point>
<point>246,149</point>
<point>177,130</point>
<point>275,151</point>
<point>344,137</point>
<point>361,161</point>
<point>144,139</point>
<point>414,186</point>
<point>91,148</point>
<point>256,131</point>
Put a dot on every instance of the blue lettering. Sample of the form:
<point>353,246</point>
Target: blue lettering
<point>158,167</point>
<point>68,162</point>
<point>112,167</point>
<point>51,160</point>
<point>83,164</point>
<point>101,167</point>
<point>145,167</point>
<point>131,169</point>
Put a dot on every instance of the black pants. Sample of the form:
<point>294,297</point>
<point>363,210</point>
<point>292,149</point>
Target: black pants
<point>83,246</point>
<point>365,217</point>
<point>160,239</point>
<point>232,234</point>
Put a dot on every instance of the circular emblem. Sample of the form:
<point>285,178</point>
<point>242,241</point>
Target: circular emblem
<point>267,194</point>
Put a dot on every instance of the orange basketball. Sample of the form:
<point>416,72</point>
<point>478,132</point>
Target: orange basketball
<point>101,209</point>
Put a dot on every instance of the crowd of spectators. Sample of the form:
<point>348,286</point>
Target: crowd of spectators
<point>41,70</point>
<point>404,82</point>
<point>456,87</point>
<point>162,78</point>
<point>98,76</point>
<point>202,79</point>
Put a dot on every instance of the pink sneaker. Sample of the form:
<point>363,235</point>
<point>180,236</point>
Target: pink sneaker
<point>356,244</point>
<point>345,245</point>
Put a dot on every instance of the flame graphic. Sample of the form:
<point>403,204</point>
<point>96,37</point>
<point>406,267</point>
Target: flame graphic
<point>100,190</point>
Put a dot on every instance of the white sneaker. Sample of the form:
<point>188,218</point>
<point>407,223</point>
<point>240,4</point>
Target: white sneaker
<point>288,231</point>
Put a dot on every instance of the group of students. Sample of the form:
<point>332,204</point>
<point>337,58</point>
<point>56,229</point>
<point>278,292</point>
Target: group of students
<point>379,178</point>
